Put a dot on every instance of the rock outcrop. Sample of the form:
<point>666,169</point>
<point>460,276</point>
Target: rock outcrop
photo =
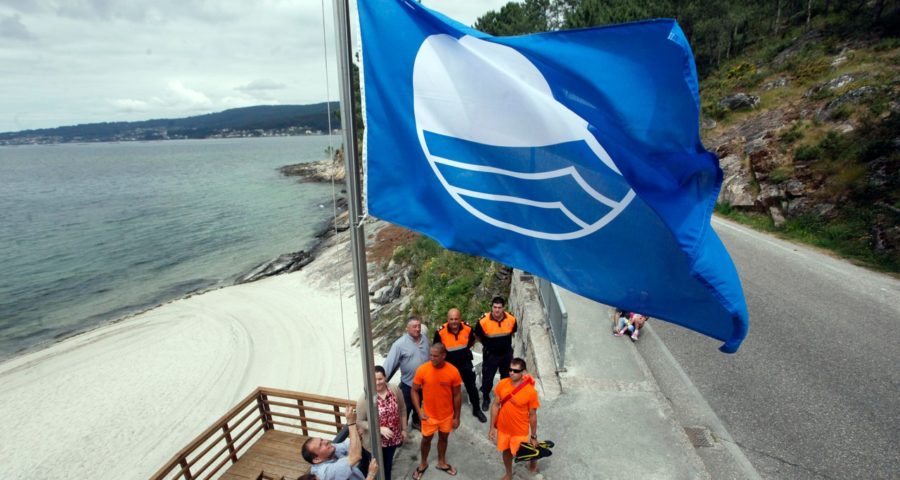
<point>320,171</point>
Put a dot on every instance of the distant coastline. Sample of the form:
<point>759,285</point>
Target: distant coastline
<point>257,121</point>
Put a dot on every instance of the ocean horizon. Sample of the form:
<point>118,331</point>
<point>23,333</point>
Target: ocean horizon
<point>95,232</point>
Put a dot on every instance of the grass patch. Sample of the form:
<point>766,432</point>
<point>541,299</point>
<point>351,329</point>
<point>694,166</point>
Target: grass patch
<point>759,221</point>
<point>792,134</point>
<point>805,153</point>
<point>846,234</point>
<point>781,174</point>
<point>445,279</point>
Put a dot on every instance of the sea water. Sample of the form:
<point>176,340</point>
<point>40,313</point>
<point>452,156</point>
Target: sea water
<point>93,232</point>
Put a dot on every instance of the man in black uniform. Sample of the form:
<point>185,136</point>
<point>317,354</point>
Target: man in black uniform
<point>495,330</point>
<point>458,339</point>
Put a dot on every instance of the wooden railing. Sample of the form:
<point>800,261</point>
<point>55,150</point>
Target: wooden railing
<point>264,409</point>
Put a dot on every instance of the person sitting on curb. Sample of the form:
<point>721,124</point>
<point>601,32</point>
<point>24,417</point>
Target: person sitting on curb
<point>630,322</point>
<point>337,461</point>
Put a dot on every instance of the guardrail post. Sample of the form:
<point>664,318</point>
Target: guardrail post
<point>230,443</point>
<point>337,418</point>
<point>185,469</point>
<point>302,418</point>
<point>265,415</point>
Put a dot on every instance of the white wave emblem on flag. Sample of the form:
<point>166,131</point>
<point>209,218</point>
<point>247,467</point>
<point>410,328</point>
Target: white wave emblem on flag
<point>503,147</point>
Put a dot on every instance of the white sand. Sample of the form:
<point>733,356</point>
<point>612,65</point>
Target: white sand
<point>119,401</point>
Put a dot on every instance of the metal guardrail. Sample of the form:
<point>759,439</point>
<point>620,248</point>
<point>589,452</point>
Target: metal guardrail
<point>557,317</point>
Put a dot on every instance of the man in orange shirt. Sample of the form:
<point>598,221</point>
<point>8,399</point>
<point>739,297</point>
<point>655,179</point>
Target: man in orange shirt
<point>514,414</point>
<point>436,396</point>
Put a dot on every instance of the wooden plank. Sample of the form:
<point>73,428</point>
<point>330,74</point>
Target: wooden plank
<point>307,397</point>
<point>276,453</point>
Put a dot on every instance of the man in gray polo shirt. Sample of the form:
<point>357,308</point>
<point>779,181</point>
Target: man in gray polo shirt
<point>408,353</point>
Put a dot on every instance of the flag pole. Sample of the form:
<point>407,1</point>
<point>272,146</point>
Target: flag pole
<point>357,233</point>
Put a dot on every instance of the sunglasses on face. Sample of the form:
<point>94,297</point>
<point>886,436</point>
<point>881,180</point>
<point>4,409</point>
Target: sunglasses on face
<point>516,370</point>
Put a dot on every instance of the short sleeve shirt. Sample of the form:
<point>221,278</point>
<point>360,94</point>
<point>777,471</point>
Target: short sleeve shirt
<point>437,388</point>
<point>339,468</point>
<point>513,417</point>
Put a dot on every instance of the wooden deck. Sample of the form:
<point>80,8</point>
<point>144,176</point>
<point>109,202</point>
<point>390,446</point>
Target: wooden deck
<point>276,454</point>
<point>260,438</point>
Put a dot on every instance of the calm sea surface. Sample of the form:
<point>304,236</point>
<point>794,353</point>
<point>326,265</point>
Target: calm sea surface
<point>92,232</point>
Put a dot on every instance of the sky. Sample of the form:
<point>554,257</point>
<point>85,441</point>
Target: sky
<point>67,62</point>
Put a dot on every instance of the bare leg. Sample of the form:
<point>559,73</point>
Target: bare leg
<point>425,449</point>
<point>532,465</point>
<point>442,449</point>
<point>507,463</point>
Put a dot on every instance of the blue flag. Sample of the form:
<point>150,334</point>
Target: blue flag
<point>573,155</point>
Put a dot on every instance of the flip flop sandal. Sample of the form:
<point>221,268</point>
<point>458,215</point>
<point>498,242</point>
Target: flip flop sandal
<point>449,470</point>
<point>419,472</point>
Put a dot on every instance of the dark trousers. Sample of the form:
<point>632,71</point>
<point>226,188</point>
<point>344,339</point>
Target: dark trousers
<point>387,454</point>
<point>467,372</point>
<point>491,362</point>
<point>407,400</point>
<point>363,464</point>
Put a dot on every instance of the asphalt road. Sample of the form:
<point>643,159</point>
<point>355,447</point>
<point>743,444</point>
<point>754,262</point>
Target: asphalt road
<point>814,392</point>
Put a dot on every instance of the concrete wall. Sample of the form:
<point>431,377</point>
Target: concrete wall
<point>533,342</point>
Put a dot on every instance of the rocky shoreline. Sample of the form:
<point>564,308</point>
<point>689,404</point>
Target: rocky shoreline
<point>323,171</point>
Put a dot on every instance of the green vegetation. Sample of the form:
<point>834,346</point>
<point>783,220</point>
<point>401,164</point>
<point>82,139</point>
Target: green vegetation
<point>847,234</point>
<point>445,279</point>
<point>719,30</point>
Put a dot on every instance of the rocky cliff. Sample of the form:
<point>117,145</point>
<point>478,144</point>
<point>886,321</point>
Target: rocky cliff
<point>810,137</point>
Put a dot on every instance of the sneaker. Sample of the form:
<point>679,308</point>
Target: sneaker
<point>486,403</point>
<point>618,334</point>
<point>634,336</point>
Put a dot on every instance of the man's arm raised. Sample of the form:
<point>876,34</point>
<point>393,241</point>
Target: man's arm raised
<point>354,452</point>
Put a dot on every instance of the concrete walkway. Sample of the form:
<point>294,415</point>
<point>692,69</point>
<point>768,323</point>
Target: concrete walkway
<point>610,420</point>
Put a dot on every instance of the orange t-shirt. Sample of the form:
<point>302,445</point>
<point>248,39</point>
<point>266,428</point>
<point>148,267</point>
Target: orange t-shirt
<point>513,417</point>
<point>437,388</point>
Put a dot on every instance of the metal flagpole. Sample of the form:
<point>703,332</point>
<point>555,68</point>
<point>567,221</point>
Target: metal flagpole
<point>357,234</point>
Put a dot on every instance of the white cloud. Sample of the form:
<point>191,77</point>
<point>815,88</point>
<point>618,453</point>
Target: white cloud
<point>187,95</point>
<point>129,105</point>
<point>111,60</point>
<point>261,84</point>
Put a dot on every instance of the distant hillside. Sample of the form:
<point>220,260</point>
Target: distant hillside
<point>237,122</point>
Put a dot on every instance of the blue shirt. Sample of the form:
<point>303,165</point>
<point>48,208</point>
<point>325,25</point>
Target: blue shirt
<point>408,355</point>
<point>337,468</point>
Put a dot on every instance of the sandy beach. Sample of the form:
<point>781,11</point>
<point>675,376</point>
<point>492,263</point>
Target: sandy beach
<point>119,401</point>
